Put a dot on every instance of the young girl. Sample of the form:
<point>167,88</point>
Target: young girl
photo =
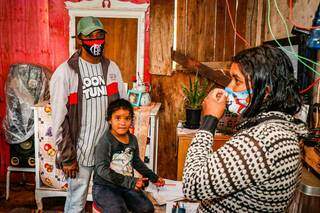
<point>115,189</point>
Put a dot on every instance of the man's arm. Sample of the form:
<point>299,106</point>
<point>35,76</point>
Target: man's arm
<point>59,92</point>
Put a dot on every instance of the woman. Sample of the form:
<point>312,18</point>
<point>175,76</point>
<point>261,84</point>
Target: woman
<point>258,169</point>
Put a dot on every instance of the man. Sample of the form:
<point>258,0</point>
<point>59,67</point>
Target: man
<point>80,91</point>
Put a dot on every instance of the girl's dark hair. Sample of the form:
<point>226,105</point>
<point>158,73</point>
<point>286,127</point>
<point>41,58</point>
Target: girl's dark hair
<point>119,104</point>
<point>266,66</point>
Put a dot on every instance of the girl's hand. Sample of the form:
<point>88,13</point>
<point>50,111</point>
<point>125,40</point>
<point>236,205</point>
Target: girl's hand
<point>160,182</point>
<point>140,184</point>
<point>215,103</point>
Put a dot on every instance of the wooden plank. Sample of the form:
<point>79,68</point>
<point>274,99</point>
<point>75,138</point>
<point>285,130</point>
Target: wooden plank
<point>161,32</point>
<point>196,28</point>
<point>250,20</point>
<point>241,23</point>
<point>181,27</point>
<point>219,76</point>
<point>167,90</point>
<point>215,65</point>
<point>209,29</point>
<point>225,65</point>
<point>192,15</point>
<point>58,27</point>
<point>259,23</point>
<point>230,35</point>
<point>121,44</point>
<point>205,30</point>
<point>221,31</point>
<point>200,34</point>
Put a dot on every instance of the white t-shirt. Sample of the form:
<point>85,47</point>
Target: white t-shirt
<point>94,111</point>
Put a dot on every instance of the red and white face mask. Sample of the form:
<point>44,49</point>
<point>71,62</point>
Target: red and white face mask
<point>93,46</point>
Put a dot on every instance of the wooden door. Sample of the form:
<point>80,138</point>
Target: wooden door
<point>121,44</point>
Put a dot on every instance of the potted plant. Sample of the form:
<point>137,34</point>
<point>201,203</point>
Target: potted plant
<point>194,96</point>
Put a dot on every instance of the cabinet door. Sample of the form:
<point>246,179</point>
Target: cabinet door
<point>184,142</point>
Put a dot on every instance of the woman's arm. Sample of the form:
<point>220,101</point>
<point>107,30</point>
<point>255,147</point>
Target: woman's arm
<point>241,162</point>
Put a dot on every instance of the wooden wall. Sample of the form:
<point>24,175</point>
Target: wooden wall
<point>30,32</point>
<point>303,14</point>
<point>204,32</point>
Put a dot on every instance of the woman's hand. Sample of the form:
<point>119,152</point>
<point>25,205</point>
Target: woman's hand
<point>215,103</point>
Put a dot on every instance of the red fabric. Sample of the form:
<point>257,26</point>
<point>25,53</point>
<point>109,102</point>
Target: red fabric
<point>112,88</point>
<point>91,42</point>
<point>95,208</point>
<point>73,98</point>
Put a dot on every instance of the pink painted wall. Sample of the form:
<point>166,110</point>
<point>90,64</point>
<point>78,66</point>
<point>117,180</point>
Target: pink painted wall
<point>37,31</point>
<point>30,32</point>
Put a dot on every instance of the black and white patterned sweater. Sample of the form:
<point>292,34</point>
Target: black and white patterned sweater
<point>257,170</point>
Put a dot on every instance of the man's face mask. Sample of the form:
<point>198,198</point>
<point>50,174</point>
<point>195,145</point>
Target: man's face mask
<point>93,46</point>
<point>238,101</point>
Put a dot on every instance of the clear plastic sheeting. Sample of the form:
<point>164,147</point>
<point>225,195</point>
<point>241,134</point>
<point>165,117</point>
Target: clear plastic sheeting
<point>26,86</point>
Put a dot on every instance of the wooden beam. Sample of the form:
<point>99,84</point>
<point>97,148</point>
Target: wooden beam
<point>215,65</point>
<point>259,22</point>
<point>219,76</point>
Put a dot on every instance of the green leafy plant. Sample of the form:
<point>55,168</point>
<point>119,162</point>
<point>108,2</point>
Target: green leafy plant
<point>195,94</point>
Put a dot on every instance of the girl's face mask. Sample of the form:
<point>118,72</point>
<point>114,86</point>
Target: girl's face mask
<point>93,46</point>
<point>238,101</point>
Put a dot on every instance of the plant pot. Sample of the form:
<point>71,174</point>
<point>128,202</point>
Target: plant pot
<point>193,117</point>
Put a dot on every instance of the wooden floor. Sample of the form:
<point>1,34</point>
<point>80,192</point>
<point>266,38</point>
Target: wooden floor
<point>22,200</point>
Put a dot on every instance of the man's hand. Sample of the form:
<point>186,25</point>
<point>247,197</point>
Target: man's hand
<point>71,170</point>
<point>160,182</point>
<point>215,103</point>
<point>140,184</point>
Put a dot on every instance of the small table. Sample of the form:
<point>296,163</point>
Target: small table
<point>15,169</point>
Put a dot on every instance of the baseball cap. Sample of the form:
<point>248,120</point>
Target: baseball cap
<point>87,25</point>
